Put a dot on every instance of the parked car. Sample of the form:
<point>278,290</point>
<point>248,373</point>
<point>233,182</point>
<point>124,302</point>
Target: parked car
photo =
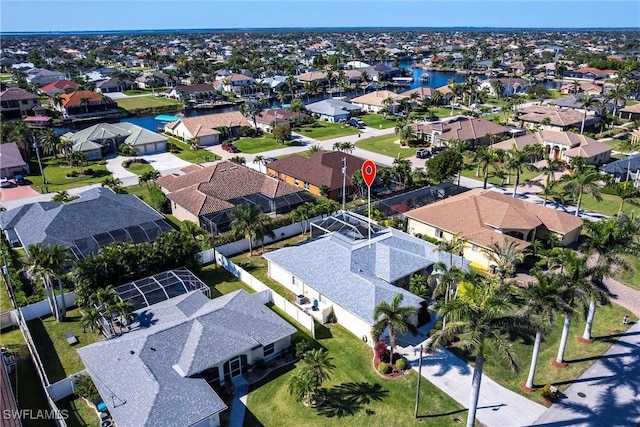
<point>19,179</point>
<point>355,123</point>
<point>4,182</point>
<point>423,153</point>
<point>269,160</point>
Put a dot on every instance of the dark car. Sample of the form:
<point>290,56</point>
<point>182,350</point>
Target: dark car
<point>355,123</point>
<point>423,153</point>
<point>19,179</point>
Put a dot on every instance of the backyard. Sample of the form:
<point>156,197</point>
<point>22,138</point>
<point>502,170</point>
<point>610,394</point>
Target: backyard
<point>140,102</point>
<point>80,414</point>
<point>325,130</point>
<point>56,176</point>
<point>356,395</point>
<point>378,121</point>
<point>386,145</point>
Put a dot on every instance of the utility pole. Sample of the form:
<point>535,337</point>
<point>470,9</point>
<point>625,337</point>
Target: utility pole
<point>415,415</point>
<point>37,148</point>
<point>344,183</point>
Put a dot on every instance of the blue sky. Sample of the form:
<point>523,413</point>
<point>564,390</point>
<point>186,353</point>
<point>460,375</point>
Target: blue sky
<point>82,15</point>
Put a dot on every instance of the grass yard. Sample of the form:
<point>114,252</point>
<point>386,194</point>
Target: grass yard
<point>325,130</point>
<point>140,168</point>
<point>444,112</point>
<point>139,102</point>
<point>132,92</point>
<point>80,414</point>
<point>56,176</point>
<point>186,153</point>
<point>606,328</point>
<point>25,381</point>
<point>356,395</point>
<point>376,120</point>
<point>386,145</point>
<point>631,278</point>
<point>60,359</point>
<point>220,281</point>
<point>257,265</point>
<point>5,299</point>
<point>470,172</point>
<point>258,145</point>
<point>608,206</point>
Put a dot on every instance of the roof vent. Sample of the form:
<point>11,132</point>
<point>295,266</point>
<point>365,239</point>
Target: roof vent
<point>132,352</point>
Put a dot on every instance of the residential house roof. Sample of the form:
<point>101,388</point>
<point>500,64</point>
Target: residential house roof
<point>635,108</point>
<point>278,115</point>
<point>377,98</point>
<point>197,88</point>
<point>74,99</point>
<point>462,127</point>
<point>205,125</point>
<point>16,94</point>
<point>62,85</point>
<point>577,145</point>
<point>322,168</point>
<point>203,190</point>
<point>311,76</point>
<point>477,214</point>
<point>559,117</point>
<point>621,166</point>
<point>10,156</point>
<point>332,107</point>
<point>424,93</point>
<point>235,77</point>
<point>147,377</point>
<point>131,134</point>
<point>97,211</point>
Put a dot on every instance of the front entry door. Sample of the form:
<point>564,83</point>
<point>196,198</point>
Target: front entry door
<point>235,367</point>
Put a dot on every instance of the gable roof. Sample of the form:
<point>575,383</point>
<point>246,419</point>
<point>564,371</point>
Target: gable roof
<point>61,85</point>
<point>16,94</point>
<point>486,211</point>
<point>74,99</point>
<point>355,275</point>
<point>377,98</point>
<point>97,211</point>
<point>203,190</point>
<point>147,377</point>
<point>10,156</point>
<point>322,168</point>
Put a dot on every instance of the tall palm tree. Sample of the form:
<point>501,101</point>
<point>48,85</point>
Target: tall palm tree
<point>516,161</point>
<point>249,221</point>
<point>542,300</point>
<point>48,264</point>
<point>617,95</point>
<point>483,314</point>
<point>303,214</point>
<point>582,182</point>
<point>455,245</point>
<point>317,365</point>
<point>396,317</point>
<point>90,319</point>
<point>588,101</point>
<point>506,256</point>
<point>402,168</point>
<point>627,192</point>
<point>484,156</point>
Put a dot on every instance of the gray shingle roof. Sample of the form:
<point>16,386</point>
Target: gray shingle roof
<point>98,210</point>
<point>10,156</point>
<point>355,276</point>
<point>332,107</point>
<point>139,374</point>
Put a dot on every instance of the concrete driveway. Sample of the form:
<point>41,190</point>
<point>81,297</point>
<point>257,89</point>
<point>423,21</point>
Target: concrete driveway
<point>166,163</point>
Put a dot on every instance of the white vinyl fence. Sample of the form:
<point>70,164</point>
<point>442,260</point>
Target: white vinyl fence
<point>43,309</point>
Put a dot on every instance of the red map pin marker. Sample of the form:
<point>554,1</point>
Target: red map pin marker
<point>368,172</point>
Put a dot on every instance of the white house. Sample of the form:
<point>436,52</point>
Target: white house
<point>208,128</point>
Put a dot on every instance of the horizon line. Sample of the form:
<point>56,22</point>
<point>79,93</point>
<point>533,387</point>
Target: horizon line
<point>262,29</point>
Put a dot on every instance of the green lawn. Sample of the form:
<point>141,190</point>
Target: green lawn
<point>632,277</point>
<point>257,145</point>
<point>56,176</point>
<point>608,206</point>
<point>257,265</point>
<point>606,327</point>
<point>80,414</point>
<point>60,359</point>
<point>386,145</point>
<point>5,299</point>
<point>470,172</point>
<point>375,120</point>
<point>139,102</point>
<point>6,77</point>
<point>357,396</point>
<point>140,168</point>
<point>186,153</point>
<point>220,281</point>
<point>140,91</point>
<point>324,130</point>
<point>25,381</point>
<point>444,112</point>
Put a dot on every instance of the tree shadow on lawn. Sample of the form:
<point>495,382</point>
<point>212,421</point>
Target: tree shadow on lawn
<point>46,351</point>
<point>349,398</point>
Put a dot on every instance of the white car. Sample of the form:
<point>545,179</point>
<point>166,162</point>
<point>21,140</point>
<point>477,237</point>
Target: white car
<point>4,182</point>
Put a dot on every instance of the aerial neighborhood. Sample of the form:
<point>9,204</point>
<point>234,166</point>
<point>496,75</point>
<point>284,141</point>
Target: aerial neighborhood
<point>327,227</point>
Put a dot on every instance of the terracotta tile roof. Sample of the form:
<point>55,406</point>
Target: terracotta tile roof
<point>16,94</point>
<point>557,116</point>
<point>323,168</point>
<point>205,125</point>
<point>424,92</point>
<point>377,98</point>
<point>60,84</point>
<point>312,75</point>
<point>204,190</point>
<point>462,128</point>
<point>476,214</point>
<point>74,99</point>
<point>578,145</point>
<point>631,109</point>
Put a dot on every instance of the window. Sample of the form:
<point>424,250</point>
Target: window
<point>296,182</point>
<point>438,233</point>
<point>267,350</point>
<point>306,185</point>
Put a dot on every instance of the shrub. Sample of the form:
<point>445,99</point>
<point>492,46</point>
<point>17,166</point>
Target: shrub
<point>86,388</point>
<point>401,364</point>
<point>72,174</point>
<point>550,392</point>
<point>438,325</point>
<point>432,332</point>
<point>331,318</point>
<point>89,171</point>
<point>102,162</point>
<point>382,351</point>
<point>157,199</point>
<point>301,348</point>
<point>383,368</point>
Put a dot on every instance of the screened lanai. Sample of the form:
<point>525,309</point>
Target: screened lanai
<point>161,287</point>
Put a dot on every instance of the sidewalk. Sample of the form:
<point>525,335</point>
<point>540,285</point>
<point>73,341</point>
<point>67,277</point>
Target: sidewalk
<point>497,406</point>
<point>238,406</point>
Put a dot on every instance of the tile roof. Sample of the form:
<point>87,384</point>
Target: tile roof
<point>61,85</point>
<point>74,99</point>
<point>558,116</point>
<point>357,276</point>
<point>16,94</point>
<point>213,188</point>
<point>10,156</point>
<point>486,211</point>
<point>462,128</point>
<point>205,125</point>
<point>147,377</point>
<point>377,98</point>
<point>322,168</point>
<point>578,145</point>
<point>278,115</point>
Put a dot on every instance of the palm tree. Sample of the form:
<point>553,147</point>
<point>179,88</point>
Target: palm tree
<point>111,182</point>
<point>542,300</point>
<point>249,221</point>
<point>588,101</point>
<point>505,256</point>
<point>402,168</point>
<point>259,160</point>
<point>317,365</point>
<point>315,148</point>
<point>304,213</point>
<point>455,245</point>
<point>300,386</point>
<point>617,95</point>
<point>395,317</point>
<point>627,193</point>
<point>49,141</point>
<point>516,161</point>
<point>582,182</point>
<point>406,134</point>
<point>86,102</point>
<point>48,263</point>
<point>193,231</point>
<point>482,315</point>
<point>497,87</point>
<point>90,319</point>
<point>484,156</point>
